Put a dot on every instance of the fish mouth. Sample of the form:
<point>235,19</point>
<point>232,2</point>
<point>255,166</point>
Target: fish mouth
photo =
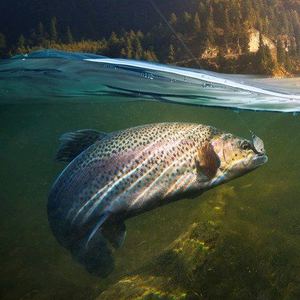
<point>258,160</point>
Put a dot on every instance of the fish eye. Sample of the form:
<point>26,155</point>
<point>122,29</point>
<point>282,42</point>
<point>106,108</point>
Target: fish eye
<point>245,146</point>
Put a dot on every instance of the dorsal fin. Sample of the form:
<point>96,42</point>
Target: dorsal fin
<point>73,143</point>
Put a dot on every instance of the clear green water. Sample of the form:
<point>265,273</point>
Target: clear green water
<point>261,221</point>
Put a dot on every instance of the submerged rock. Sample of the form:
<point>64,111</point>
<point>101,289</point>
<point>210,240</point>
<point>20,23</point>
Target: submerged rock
<point>169,275</point>
<point>232,256</point>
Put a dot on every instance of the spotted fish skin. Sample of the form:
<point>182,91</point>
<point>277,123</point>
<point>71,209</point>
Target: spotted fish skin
<point>125,173</point>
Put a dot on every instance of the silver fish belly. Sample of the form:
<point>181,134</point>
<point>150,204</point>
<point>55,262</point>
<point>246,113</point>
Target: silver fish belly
<point>112,177</point>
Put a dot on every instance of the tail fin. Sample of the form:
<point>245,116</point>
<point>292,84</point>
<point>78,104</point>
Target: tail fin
<point>96,258</point>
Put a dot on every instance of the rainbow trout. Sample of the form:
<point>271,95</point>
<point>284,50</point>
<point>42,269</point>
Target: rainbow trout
<point>113,177</point>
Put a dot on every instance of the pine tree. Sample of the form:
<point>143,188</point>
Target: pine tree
<point>293,48</point>
<point>197,23</point>
<point>115,46</point>
<point>248,12</point>
<point>265,63</point>
<point>139,35</point>
<point>41,39</point>
<point>138,50</point>
<point>21,41</point>
<point>239,33</point>
<point>69,36</point>
<point>202,9</point>
<point>129,48</point>
<point>280,52</point>
<point>266,26</point>
<point>227,29</point>
<point>272,18</point>
<point>2,44</point>
<point>260,28</point>
<point>132,35</point>
<point>149,55</point>
<point>32,41</point>
<point>245,38</point>
<point>173,19</point>
<point>288,62</point>
<point>171,56</point>
<point>284,26</point>
<point>54,34</point>
<point>296,22</point>
<point>123,52</point>
<point>210,28</point>
<point>186,17</point>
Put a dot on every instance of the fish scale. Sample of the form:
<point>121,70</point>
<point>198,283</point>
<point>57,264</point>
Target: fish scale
<point>112,177</point>
<point>144,142</point>
<point>176,131</point>
<point>161,156</point>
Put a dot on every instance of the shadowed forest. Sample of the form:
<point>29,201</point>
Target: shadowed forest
<point>232,36</point>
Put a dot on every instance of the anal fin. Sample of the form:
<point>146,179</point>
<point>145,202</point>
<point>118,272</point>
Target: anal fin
<point>111,230</point>
<point>96,228</point>
<point>115,233</point>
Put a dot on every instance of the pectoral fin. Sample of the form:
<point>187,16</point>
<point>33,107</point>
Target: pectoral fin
<point>209,161</point>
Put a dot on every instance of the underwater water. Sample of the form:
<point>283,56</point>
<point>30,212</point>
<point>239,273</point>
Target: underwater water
<point>258,215</point>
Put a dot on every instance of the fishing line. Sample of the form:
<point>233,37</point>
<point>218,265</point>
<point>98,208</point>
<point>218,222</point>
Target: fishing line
<point>174,32</point>
<point>191,54</point>
<point>243,122</point>
<point>258,144</point>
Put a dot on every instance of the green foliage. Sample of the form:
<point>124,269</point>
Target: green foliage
<point>221,24</point>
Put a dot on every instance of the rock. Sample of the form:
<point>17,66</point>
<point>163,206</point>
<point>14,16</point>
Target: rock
<point>254,43</point>
<point>169,275</point>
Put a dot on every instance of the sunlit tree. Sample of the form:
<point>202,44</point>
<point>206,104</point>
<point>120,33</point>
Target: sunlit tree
<point>171,56</point>
<point>197,23</point>
<point>173,19</point>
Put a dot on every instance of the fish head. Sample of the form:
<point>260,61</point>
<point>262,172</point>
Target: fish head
<point>238,156</point>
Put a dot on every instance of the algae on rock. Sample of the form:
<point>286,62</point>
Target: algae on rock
<point>170,274</point>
